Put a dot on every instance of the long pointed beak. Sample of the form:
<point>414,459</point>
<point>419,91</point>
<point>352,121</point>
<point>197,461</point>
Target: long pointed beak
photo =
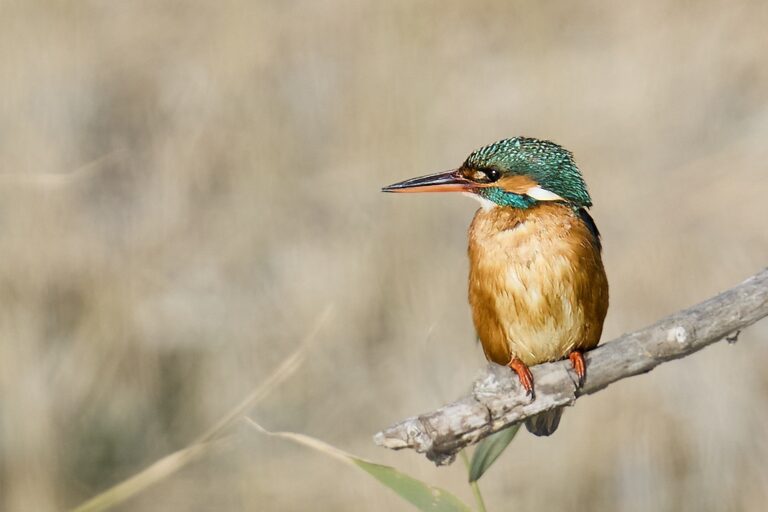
<point>449,181</point>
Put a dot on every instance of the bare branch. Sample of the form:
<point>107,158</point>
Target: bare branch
<point>498,401</point>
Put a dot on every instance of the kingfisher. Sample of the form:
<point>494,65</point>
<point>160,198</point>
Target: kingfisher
<point>537,285</point>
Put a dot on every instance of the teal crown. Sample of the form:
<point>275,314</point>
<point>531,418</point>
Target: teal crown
<point>548,164</point>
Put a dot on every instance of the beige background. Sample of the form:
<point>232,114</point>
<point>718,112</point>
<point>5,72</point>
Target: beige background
<point>186,186</point>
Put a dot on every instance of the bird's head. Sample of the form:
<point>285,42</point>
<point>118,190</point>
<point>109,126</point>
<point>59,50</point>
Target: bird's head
<point>518,172</point>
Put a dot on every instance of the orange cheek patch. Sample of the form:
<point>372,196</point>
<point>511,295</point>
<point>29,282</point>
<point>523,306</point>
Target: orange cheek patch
<point>516,184</point>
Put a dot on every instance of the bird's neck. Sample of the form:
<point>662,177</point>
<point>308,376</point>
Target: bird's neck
<point>543,217</point>
<point>505,198</point>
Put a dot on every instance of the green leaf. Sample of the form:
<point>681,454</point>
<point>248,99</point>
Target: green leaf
<point>424,497</point>
<point>488,450</point>
<point>421,495</point>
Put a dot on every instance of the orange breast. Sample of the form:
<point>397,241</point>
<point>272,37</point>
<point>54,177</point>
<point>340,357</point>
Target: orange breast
<point>537,286</point>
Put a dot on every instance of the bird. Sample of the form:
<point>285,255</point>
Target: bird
<point>538,290</point>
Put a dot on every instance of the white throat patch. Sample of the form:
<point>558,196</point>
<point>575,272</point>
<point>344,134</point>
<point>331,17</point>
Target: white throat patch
<point>485,204</point>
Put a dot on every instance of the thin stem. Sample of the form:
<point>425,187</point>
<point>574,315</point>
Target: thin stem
<point>474,485</point>
<point>177,460</point>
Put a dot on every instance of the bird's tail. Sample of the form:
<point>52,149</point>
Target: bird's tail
<point>543,424</point>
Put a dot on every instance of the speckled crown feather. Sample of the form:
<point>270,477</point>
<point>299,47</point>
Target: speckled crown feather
<point>549,164</point>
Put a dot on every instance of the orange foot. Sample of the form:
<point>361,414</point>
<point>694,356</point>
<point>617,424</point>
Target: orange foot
<point>579,366</point>
<point>522,371</point>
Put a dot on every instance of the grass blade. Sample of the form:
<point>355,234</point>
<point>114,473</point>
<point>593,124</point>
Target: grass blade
<point>423,496</point>
<point>488,450</point>
<point>132,486</point>
<point>170,464</point>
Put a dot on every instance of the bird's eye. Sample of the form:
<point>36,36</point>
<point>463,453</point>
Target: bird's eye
<point>485,175</point>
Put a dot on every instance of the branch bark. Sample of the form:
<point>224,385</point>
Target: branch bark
<point>497,400</point>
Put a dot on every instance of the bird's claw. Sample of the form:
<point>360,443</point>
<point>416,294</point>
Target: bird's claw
<point>579,366</point>
<point>525,376</point>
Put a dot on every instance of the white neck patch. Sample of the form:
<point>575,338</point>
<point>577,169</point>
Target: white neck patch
<point>542,194</point>
<point>485,204</point>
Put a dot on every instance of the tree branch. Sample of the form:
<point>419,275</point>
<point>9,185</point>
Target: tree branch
<point>498,401</point>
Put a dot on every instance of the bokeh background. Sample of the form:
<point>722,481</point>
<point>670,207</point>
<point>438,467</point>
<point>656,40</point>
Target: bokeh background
<point>186,186</point>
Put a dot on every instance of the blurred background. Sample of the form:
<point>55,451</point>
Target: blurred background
<point>186,186</point>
